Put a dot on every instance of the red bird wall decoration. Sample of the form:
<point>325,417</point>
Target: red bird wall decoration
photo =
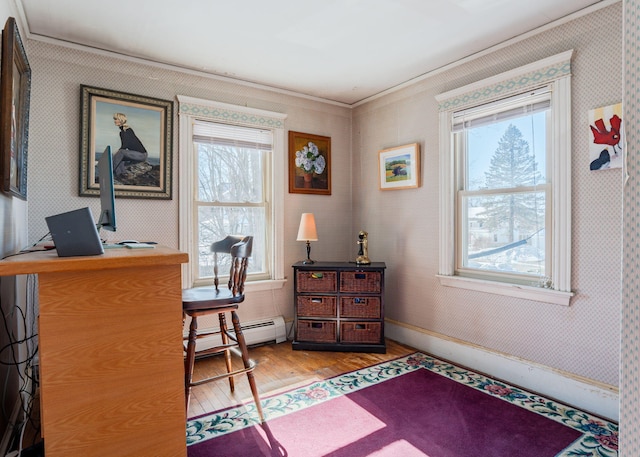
<point>606,139</point>
<point>603,136</point>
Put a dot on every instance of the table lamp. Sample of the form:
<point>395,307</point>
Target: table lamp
<point>307,232</point>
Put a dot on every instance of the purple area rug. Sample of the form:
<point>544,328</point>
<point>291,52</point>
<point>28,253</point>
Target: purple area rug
<point>414,406</point>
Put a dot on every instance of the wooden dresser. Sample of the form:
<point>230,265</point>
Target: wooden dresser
<point>339,306</point>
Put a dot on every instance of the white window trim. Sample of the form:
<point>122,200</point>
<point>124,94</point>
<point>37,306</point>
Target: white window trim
<point>554,71</point>
<point>193,108</point>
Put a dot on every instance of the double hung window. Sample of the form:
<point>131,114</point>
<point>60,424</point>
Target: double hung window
<point>232,195</point>
<point>505,177</point>
<point>231,159</point>
<point>502,188</point>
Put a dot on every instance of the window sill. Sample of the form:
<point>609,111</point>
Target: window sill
<point>269,284</point>
<point>540,294</point>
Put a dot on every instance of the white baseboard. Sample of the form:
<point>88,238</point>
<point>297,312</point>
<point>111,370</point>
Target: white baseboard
<point>271,329</point>
<point>584,394</point>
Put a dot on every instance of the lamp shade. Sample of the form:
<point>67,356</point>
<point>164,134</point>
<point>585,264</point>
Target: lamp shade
<point>307,230</point>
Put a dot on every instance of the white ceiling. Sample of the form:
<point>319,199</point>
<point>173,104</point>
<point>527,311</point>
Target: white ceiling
<point>339,50</point>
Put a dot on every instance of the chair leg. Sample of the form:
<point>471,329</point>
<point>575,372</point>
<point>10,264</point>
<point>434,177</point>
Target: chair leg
<point>247,362</point>
<point>227,352</point>
<point>190,359</point>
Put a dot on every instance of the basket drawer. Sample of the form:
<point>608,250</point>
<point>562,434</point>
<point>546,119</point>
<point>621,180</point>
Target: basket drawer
<point>363,307</point>
<point>316,281</point>
<point>310,306</point>
<point>316,331</point>
<point>360,332</point>
<point>360,281</point>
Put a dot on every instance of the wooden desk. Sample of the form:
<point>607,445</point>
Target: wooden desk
<point>110,343</point>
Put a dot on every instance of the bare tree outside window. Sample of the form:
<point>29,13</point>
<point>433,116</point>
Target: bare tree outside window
<point>231,199</point>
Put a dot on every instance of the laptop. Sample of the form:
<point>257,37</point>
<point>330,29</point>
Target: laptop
<point>75,233</point>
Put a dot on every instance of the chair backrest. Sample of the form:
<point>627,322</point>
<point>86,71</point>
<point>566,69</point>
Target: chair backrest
<point>239,248</point>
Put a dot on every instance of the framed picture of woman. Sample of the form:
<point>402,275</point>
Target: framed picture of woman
<point>139,131</point>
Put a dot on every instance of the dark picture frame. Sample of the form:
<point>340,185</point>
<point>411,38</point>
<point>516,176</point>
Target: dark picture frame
<point>15,90</point>
<point>305,161</point>
<point>149,120</point>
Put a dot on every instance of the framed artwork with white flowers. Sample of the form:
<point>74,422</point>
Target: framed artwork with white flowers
<point>309,164</point>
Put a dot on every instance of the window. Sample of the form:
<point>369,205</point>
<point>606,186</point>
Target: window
<point>505,183</point>
<point>231,166</point>
<point>500,154</point>
<point>231,158</point>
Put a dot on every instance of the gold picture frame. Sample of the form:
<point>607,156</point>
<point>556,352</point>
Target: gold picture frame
<point>152,120</point>
<point>399,167</point>
<point>15,90</point>
<point>309,164</point>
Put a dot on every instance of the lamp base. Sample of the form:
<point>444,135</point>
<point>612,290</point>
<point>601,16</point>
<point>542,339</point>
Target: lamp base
<point>308,261</point>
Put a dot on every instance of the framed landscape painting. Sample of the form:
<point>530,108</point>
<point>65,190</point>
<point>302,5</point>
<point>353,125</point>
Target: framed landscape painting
<point>399,167</point>
<point>139,131</point>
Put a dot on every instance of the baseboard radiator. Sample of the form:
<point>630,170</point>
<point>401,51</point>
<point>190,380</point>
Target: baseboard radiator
<point>269,330</point>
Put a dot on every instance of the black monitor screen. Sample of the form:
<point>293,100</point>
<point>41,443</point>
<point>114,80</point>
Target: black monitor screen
<point>107,218</point>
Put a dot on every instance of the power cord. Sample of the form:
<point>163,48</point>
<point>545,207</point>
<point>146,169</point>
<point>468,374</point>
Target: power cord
<point>26,368</point>
<point>30,248</point>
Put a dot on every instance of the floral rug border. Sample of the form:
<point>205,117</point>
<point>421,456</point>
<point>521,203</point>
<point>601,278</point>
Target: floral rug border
<point>599,437</point>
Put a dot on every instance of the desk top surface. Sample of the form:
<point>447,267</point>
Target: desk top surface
<point>47,261</point>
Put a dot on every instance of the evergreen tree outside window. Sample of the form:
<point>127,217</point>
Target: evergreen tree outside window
<point>502,194</point>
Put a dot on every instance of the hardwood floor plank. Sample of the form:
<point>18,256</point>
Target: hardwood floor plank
<point>280,368</point>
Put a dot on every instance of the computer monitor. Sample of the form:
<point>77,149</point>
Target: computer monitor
<point>107,219</point>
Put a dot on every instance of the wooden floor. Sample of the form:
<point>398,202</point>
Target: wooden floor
<point>279,368</point>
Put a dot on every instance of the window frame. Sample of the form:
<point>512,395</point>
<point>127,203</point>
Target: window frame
<point>191,109</point>
<point>264,203</point>
<point>554,72</point>
<point>460,146</point>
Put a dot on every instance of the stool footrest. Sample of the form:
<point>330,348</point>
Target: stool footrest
<point>219,349</point>
<point>224,375</point>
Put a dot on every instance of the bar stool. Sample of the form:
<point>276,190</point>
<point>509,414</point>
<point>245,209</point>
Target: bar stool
<point>202,301</point>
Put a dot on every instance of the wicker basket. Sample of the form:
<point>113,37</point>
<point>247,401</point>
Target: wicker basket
<point>363,307</point>
<point>316,331</point>
<point>316,281</point>
<point>320,306</point>
<point>360,332</point>
<point>360,281</point>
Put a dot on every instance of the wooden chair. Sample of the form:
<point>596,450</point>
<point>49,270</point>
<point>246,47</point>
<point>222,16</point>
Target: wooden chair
<point>202,301</point>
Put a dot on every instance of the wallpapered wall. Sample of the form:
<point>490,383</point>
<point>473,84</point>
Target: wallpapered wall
<point>54,148</point>
<point>13,237</point>
<point>630,341</point>
<point>583,338</point>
